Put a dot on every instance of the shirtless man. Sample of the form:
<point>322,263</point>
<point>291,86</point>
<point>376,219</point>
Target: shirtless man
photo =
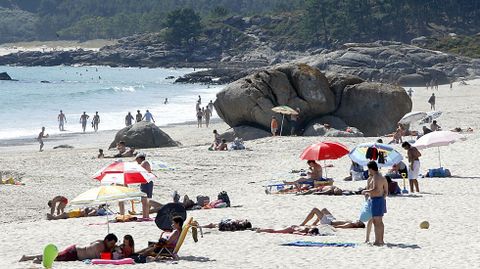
<point>314,174</point>
<point>83,120</point>
<point>62,119</point>
<point>74,253</point>
<point>414,165</point>
<point>95,121</point>
<point>138,117</point>
<point>40,138</point>
<point>199,118</point>
<point>377,193</point>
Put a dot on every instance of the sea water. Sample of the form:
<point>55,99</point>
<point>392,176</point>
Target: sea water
<point>28,104</point>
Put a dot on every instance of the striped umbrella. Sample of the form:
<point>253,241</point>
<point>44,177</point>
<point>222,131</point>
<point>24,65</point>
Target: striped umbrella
<point>392,157</point>
<point>124,173</point>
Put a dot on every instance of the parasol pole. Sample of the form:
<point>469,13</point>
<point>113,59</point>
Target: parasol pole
<point>325,165</point>
<point>439,158</point>
<point>281,126</point>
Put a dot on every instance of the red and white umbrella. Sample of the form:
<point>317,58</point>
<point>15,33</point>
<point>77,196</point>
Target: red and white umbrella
<point>324,151</point>
<point>124,173</point>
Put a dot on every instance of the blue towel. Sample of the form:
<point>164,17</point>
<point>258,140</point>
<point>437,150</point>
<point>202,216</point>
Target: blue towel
<point>318,244</point>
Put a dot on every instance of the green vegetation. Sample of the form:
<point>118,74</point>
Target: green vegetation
<point>306,23</point>
<point>462,45</point>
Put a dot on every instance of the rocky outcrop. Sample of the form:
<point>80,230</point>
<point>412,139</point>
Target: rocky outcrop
<point>394,62</point>
<point>245,133</point>
<point>373,108</point>
<point>5,76</point>
<point>250,100</point>
<point>143,135</point>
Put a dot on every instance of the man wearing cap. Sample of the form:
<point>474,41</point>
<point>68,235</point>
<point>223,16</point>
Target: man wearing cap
<point>146,188</point>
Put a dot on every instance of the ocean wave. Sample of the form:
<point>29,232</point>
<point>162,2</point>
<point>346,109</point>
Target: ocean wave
<point>114,89</point>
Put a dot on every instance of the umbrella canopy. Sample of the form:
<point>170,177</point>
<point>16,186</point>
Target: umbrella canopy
<point>358,154</point>
<point>324,151</point>
<point>124,173</point>
<point>412,117</point>
<point>161,166</point>
<point>106,194</point>
<point>167,212</point>
<point>437,139</point>
<point>432,115</point>
<point>285,110</point>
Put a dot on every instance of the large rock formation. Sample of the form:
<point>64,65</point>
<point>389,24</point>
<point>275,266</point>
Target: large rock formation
<point>373,108</point>
<point>249,101</point>
<point>5,76</point>
<point>143,135</point>
<point>394,62</point>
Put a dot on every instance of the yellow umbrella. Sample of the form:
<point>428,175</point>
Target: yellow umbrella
<point>284,110</point>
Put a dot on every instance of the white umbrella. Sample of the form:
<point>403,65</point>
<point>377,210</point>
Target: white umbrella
<point>437,139</point>
<point>432,115</point>
<point>412,117</point>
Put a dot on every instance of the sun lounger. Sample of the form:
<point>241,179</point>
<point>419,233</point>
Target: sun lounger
<point>166,253</point>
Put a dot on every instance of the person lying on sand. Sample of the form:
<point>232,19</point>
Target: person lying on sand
<point>74,253</point>
<point>230,225</point>
<point>58,203</point>
<point>460,130</point>
<point>79,213</point>
<point>167,240</point>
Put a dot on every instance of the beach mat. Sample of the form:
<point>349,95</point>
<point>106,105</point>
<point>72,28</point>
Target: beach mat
<point>318,244</point>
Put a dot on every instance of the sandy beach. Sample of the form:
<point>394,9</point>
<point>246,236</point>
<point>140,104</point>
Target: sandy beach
<point>449,205</point>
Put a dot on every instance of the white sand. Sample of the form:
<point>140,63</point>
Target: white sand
<point>61,45</point>
<point>450,205</point>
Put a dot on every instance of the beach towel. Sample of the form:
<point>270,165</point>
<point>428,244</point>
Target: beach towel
<point>366,211</point>
<point>318,244</point>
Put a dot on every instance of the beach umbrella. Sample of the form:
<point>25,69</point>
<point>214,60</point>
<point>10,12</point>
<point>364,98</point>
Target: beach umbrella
<point>124,173</point>
<point>437,139</point>
<point>163,220</point>
<point>358,154</point>
<point>284,110</point>
<point>324,151</point>
<point>412,117</point>
<point>106,195</point>
<point>432,115</point>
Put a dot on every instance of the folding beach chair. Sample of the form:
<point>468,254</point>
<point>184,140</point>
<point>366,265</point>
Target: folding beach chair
<point>166,253</point>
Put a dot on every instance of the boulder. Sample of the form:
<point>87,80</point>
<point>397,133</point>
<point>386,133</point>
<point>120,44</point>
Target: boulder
<point>244,132</point>
<point>249,101</point>
<point>412,80</point>
<point>373,108</point>
<point>143,135</point>
<point>338,82</point>
<point>5,76</point>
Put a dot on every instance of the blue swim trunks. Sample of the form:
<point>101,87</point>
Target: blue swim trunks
<point>379,206</point>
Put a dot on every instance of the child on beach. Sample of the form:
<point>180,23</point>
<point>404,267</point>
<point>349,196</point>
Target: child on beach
<point>126,249</point>
<point>58,203</point>
<point>274,126</point>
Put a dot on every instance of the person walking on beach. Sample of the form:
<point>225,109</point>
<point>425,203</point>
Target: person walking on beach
<point>207,115</point>
<point>128,119</point>
<point>62,119</point>
<point>83,120</point>
<point>95,121</point>
<point>431,101</point>
<point>199,118</point>
<point>197,106</point>
<point>210,107</point>
<point>414,165</point>
<point>294,121</point>
<point>199,100</point>
<point>377,193</point>
<point>148,117</point>
<point>40,138</point>
<point>139,116</point>
<point>274,126</point>
<point>166,101</point>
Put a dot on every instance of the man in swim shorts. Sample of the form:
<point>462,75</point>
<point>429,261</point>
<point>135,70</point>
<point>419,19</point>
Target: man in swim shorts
<point>40,138</point>
<point>62,119</point>
<point>96,121</point>
<point>377,193</point>
<point>414,165</point>
<point>83,120</point>
<point>74,253</point>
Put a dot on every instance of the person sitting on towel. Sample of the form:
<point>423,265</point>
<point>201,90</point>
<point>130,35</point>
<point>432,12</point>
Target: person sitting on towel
<point>314,174</point>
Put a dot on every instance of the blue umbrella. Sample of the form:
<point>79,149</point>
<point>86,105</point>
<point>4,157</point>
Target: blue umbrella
<point>392,157</point>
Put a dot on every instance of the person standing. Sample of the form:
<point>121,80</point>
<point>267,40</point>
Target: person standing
<point>197,106</point>
<point>83,120</point>
<point>377,193</point>
<point>146,188</point>
<point>139,116</point>
<point>414,165</point>
<point>96,121</point>
<point>207,115</point>
<point>274,126</point>
<point>199,118</point>
<point>410,91</point>
<point>148,117</point>
<point>199,100</point>
<point>210,107</point>
<point>62,119</point>
<point>294,121</point>
<point>40,138</point>
<point>166,101</point>
<point>128,119</point>
<point>431,101</point>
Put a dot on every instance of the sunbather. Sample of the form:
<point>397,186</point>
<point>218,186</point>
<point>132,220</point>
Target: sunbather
<point>230,225</point>
<point>325,217</point>
<point>314,174</point>
<point>79,213</point>
<point>167,239</point>
<point>74,253</point>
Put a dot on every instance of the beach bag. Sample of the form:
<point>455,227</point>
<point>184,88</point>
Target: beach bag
<point>381,157</point>
<point>203,200</point>
<point>366,211</point>
<point>437,172</point>
<point>224,197</point>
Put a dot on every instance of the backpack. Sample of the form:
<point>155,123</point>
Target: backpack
<point>203,200</point>
<point>224,197</point>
